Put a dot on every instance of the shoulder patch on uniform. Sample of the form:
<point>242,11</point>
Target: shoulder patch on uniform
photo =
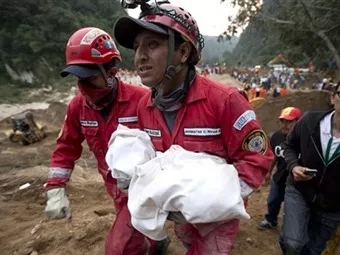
<point>244,119</point>
<point>61,132</point>
<point>256,141</point>
<point>62,128</point>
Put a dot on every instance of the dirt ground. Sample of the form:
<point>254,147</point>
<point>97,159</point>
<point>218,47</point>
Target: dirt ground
<point>25,230</point>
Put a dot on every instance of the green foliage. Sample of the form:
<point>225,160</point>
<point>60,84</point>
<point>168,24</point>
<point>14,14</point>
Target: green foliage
<point>33,33</point>
<point>303,30</point>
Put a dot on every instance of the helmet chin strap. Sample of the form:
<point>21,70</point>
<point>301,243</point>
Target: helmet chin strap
<point>171,70</point>
<point>110,82</point>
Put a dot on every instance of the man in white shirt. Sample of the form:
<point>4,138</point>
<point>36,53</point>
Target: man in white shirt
<point>312,200</point>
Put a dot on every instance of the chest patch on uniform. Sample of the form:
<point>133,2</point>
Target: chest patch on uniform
<point>153,132</point>
<point>244,119</point>
<point>89,123</point>
<point>256,141</point>
<point>202,131</point>
<point>128,119</point>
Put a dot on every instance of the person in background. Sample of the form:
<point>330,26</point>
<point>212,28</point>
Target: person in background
<point>93,115</point>
<point>312,207</point>
<point>288,118</point>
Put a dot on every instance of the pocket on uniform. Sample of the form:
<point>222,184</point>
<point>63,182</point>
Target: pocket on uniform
<point>90,134</point>
<point>213,147</point>
<point>158,144</point>
<point>131,125</point>
<point>89,131</point>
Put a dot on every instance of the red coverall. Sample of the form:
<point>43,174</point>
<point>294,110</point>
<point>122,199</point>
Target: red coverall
<point>82,122</point>
<point>216,119</point>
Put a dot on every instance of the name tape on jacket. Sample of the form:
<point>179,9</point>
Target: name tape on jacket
<point>202,131</point>
<point>128,119</point>
<point>89,123</point>
<point>153,132</point>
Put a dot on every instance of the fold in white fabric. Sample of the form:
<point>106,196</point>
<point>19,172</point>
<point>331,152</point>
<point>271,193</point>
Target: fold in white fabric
<point>203,187</point>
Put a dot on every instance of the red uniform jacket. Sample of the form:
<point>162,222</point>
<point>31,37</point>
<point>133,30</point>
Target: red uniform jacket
<point>216,119</point>
<point>82,122</point>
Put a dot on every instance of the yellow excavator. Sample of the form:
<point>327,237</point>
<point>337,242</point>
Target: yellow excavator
<point>256,101</point>
<point>25,130</point>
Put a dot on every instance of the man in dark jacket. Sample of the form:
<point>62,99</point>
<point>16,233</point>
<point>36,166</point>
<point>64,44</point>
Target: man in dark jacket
<point>312,200</point>
<point>288,118</point>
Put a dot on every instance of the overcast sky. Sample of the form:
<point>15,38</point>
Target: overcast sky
<point>211,15</point>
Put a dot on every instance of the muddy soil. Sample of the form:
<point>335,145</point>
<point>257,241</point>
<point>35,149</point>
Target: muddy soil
<point>25,230</point>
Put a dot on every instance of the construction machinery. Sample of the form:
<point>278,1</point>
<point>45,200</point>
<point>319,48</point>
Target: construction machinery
<point>25,130</point>
<point>256,101</point>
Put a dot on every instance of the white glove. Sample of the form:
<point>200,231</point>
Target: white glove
<point>58,205</point>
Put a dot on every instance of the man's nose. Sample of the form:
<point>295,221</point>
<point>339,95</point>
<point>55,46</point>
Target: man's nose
<point>141,54</point>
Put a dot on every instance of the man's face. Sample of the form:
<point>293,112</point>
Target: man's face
<point>335,98</point>
<point>286,125</point>
<point>96,81</point>
<point>151,53</point>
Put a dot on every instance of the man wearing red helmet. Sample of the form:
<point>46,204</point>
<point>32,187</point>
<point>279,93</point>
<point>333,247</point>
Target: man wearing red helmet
<point>196,113</point>
<point>288,118</point>
<point>93,115</point>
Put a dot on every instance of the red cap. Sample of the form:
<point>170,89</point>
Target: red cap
<point>290,113</point>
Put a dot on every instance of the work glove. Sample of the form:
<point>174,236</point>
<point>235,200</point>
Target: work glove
<point>58,205</point>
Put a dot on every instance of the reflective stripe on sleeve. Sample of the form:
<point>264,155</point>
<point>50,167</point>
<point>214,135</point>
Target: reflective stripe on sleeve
<point>245,189</point>
<point>58,172</point>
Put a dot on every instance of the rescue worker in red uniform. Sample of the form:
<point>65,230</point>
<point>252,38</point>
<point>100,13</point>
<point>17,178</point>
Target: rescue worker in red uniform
<point>194,112</point>
<point>93,115</point>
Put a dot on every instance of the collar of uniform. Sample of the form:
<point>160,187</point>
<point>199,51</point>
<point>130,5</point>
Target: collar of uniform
<point>122,95</point>
<point>195,93</point>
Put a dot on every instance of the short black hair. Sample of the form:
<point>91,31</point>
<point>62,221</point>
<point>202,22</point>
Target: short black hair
<point>178,40</point>
<point>336,87</point>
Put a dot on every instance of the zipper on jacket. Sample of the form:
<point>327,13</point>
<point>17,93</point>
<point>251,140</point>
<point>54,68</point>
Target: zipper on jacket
<point>316,148</point>
<point>324,169</point>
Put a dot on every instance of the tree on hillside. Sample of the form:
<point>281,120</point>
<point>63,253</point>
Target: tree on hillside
<point>212,50</point>
<point>34,33</point>
<point>302,22</point>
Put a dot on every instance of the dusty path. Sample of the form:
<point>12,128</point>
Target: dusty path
<point>24,229</point>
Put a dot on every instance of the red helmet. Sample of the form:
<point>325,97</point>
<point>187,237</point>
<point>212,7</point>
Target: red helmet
<point>165,15</point>
<point>90,45</point>
<point>180,20</point>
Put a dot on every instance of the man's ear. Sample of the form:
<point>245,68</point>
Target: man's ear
<point>185,51</point>
<point>332,99</point>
